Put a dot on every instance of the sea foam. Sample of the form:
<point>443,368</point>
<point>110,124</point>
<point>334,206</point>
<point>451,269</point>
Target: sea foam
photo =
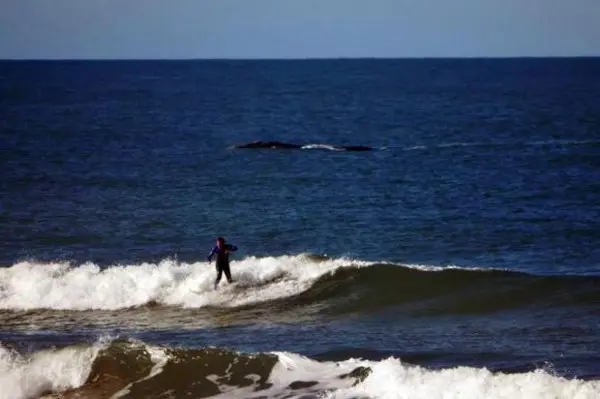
<point>293,376</point>
<point>33,285</point>
<point>44,371</point>
<point>391,378</point>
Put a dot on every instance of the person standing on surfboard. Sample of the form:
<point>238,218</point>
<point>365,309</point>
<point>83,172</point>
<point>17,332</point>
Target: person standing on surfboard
<point>222,250</point>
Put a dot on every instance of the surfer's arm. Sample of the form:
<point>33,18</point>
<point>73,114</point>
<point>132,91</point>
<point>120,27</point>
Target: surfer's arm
<point>231,247</point>
<point>210,255</point>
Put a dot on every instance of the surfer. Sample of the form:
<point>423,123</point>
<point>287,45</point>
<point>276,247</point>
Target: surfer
<point>222,250</point>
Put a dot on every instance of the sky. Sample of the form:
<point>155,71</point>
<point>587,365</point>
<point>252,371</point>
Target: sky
<point>190,29</point>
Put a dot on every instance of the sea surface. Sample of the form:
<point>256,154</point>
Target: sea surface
<point>457,257</point>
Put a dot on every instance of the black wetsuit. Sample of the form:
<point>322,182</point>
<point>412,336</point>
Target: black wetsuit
<point>222,261</point>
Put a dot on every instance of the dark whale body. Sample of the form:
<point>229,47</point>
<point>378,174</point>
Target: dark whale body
<point>290,146</point>
<point>357,148</point>
<point>269,144</point>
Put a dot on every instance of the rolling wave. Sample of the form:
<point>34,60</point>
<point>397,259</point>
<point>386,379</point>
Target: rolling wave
<point>134,369</point>
<point>287,282</point>
<point>448,291</point>
<point>63,286</point>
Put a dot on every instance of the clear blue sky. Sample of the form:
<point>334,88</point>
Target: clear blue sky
<point>82,29</point>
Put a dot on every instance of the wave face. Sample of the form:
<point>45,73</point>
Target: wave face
<point>287,282</point>
<point>134,369</point>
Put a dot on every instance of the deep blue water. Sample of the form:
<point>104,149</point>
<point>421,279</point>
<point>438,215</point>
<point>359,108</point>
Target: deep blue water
<point>487,162</point>
<point>477,163</point>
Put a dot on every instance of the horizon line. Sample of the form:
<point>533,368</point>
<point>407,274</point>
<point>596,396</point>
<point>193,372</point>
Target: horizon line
<point>304,58</point>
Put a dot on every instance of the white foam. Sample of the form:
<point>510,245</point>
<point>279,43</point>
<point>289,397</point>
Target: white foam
<point>391,378</point>
<point>432,268</point>
<point>44,371</point>
<point>32,285</point>
<point>291,368</point>
<point>328,147</point>
<point>416,147</point>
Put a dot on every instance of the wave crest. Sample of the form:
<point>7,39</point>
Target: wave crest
<point>340,285</point>
<point>134,369</point>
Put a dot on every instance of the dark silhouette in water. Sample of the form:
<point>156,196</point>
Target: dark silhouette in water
<point>357,148</point>
<point>290,146</point>
<point>269,144</point>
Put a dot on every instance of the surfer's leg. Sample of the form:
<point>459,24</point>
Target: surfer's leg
<point>219,274</point>
<point>227,273</point>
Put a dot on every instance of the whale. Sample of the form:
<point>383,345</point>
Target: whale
<point>269,144</point>
<point>291,146</point>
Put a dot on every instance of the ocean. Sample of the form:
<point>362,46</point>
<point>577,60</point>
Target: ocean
<point>407,228</point>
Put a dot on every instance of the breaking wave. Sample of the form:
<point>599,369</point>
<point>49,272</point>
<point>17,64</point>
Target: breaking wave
<point>340,285</point>
<point>134,369</point>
